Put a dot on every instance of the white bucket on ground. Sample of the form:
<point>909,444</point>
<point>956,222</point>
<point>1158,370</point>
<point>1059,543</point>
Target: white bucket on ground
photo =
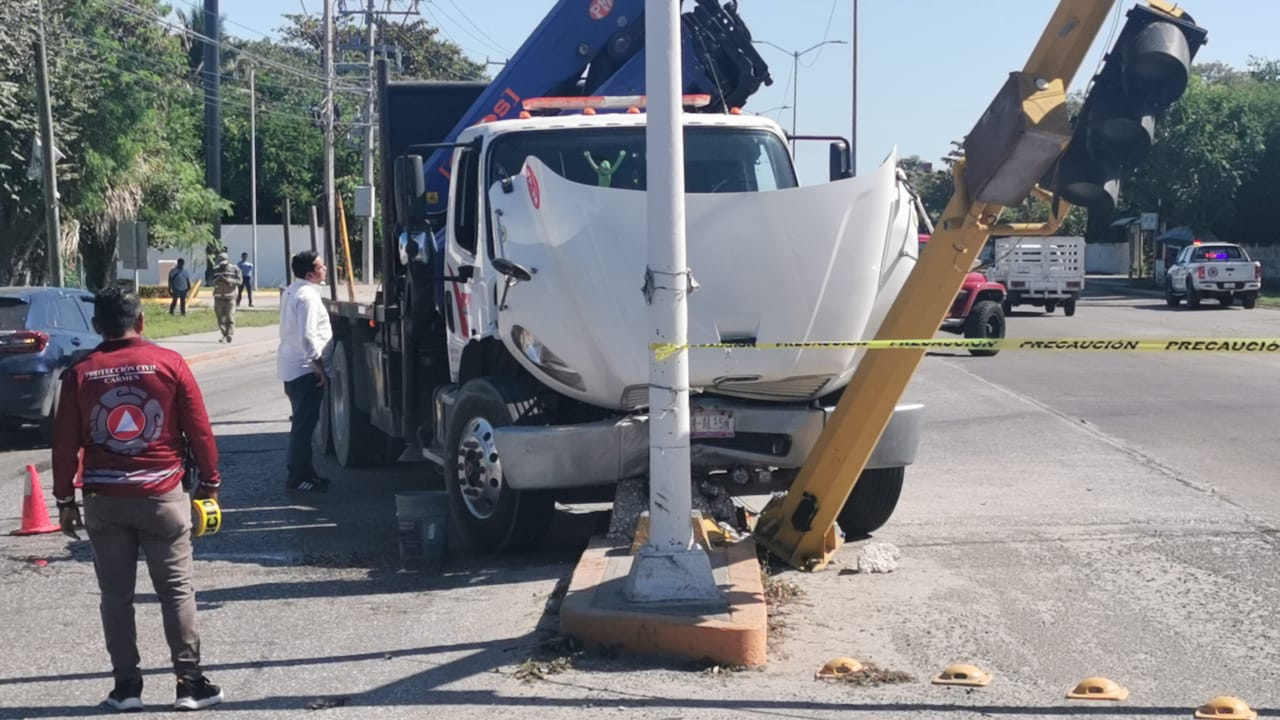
<point>421,518</point>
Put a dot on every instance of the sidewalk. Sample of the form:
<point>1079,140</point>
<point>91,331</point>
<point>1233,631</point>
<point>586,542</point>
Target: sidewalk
<point>1121,285</point>
<point>204,347</point>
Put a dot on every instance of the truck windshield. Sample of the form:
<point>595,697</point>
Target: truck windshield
<point>717,159</point>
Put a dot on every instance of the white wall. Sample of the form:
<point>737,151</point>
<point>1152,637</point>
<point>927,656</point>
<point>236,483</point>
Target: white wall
<point>272,267</point>
<point>1269,256</point>
<point>1106,258</point>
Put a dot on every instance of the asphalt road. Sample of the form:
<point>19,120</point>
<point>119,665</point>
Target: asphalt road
<point>1071,515</point>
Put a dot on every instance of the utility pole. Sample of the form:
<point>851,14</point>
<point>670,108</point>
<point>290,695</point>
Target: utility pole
<point>329,194</point>
<point>212,106</point>
<point>670,567</point>
<point>253,171</point>
<point>52,224</point>
<point>853,137</point>
<point>370,108</point>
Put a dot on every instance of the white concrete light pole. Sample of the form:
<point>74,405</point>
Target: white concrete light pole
<point>670,567</point>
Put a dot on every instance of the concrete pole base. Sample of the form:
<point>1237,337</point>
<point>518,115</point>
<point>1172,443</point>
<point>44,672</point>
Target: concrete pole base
<point>682,576</point>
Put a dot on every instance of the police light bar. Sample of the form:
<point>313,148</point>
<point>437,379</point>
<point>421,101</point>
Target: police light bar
<point>605,102</point>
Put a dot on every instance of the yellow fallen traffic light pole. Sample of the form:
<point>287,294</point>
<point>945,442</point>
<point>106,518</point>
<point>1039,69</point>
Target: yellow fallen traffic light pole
<point>1015,146</point>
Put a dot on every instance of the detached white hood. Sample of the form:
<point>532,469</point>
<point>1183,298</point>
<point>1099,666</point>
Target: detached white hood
<point>817,263</point>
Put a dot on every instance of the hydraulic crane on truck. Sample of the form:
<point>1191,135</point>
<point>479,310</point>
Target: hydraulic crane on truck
<point>1024,144</point>
<point>581,48</point>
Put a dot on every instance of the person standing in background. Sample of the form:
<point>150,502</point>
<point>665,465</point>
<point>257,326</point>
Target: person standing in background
<point>179,286</point>
<point>246,275</point>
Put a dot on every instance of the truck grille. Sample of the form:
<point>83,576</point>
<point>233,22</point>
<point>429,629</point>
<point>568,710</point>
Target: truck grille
<point>793,388</point>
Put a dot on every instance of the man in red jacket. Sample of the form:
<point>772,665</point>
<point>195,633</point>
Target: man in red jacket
<point>134,410</point>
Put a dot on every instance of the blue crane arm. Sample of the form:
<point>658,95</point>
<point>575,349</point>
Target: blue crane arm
<point>595,47</point>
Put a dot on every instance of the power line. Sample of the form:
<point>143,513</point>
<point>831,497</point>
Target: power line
<point>825,35</point>
<point>485,40</point>
<point>262,60</point>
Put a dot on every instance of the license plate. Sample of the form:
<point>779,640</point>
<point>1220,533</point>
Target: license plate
<point>711,424</point>
<point>1230,286</point>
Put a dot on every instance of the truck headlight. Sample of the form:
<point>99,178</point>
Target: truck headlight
<point>544,359</point>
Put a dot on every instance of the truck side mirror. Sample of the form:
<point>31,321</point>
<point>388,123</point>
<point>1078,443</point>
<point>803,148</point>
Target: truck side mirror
<point>410,185</point>
<point>840,160</point>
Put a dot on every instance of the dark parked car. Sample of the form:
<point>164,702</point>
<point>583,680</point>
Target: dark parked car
<point>40,329</point>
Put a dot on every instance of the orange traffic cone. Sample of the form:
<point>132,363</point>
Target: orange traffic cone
<point>35,513</point>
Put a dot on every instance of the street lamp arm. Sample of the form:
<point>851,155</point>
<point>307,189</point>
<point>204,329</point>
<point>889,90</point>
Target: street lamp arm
<point>824,42</point>
<point>774,45</point>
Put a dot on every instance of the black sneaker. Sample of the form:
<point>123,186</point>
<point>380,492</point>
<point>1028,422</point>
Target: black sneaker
<point>196,693</point>
<point>126,697</point>
<point>316,484</point>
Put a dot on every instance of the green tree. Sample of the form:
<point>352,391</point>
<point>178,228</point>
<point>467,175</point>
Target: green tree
<point>122,117</point>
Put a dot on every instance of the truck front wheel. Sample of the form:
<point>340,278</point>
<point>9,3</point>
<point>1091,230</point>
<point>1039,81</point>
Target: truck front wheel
<point>872,501</point>
<point>985,322</point>
<point>492,515</point>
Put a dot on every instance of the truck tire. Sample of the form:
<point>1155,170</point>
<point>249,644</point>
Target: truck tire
<point>1248,300</point>
<point>872,501</point>
<point>1007,307</point>
<point>353,434</point>
<point>1170,297</point>
<point>985,321</point>
<point>1050,306</point>
<point>493,516</point>
<point>1069,307</point>
<point>1193,295</point>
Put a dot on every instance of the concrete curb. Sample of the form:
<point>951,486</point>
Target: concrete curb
<point>594,613</point>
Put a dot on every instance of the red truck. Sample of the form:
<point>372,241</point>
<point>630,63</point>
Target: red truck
<point>977,311</point>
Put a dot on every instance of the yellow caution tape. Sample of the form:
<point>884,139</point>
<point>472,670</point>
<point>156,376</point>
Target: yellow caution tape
<point>1210,345</point>
<point>206,517</point>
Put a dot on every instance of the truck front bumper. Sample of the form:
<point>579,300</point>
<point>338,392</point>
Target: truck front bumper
<point>602,453</point>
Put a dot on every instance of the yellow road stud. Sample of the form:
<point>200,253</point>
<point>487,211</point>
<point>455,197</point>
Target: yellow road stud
<point>1225,707</point>
<point>838,668</point>
<point>970,675</point>
<point>1098,688</point>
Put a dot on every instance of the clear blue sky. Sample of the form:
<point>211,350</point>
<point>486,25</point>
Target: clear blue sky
<point>927,68</point>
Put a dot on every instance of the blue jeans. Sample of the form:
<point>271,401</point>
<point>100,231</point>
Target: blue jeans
<point>306,397</point>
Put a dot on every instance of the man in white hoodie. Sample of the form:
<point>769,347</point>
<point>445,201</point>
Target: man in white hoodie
<point>303,364</point>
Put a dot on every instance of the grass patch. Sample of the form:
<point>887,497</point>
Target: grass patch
<point>778,593</point>
<point>160,324</point>
<point>554,656</point>
<point>1269,297</point>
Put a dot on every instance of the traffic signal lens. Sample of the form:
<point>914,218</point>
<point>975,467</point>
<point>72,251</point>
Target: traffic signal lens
<point>1157,64</point>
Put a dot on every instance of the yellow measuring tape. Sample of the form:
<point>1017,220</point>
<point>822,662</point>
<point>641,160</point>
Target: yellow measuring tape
<point>206,517</point>
<point>1197,345</point>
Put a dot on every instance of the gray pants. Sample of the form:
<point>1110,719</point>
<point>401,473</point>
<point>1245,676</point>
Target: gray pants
<point>225,310</point>
<point>161,526</point>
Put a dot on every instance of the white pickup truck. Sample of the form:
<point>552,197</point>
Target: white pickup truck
<point>1218,270</point>
<point>1043,271</point>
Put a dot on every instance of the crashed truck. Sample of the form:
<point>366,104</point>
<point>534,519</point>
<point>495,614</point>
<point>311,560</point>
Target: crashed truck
<point>508,343</point>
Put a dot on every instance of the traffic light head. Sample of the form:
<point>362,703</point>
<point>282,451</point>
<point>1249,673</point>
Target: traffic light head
<point>1144,73</point>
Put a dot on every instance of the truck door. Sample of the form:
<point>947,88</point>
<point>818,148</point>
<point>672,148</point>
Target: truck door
<point>464,299</point>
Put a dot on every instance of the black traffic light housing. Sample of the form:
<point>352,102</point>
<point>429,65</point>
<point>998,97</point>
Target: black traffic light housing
<point>1145,72</point>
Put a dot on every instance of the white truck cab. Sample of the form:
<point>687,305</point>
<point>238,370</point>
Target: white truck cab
<point>545,307</point>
